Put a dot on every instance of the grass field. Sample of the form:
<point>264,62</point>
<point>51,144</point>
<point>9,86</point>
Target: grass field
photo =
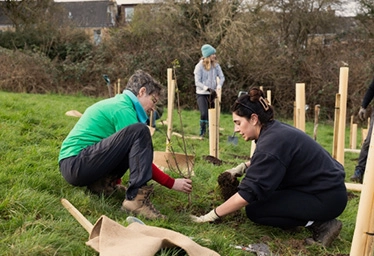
<point>33,221</point>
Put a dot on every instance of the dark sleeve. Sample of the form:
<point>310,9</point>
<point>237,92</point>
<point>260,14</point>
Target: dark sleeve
<point>368,95</point>
<point>262,177</point>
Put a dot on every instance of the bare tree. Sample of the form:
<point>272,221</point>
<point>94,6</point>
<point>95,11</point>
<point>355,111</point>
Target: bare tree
<point>27,13</point>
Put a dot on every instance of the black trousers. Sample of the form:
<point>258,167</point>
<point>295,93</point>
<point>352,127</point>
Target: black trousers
<point>361,163</point>
<point>204,102</point>
<point>291,208</point>
<point>130,148</point>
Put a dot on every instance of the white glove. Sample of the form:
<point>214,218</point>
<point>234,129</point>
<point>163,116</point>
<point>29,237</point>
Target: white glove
<point>362,113</point>
<point>237,171</point>
<point>209,217</point>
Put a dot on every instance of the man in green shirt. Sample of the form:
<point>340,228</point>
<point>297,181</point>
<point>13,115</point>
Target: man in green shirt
<point>112,137</point>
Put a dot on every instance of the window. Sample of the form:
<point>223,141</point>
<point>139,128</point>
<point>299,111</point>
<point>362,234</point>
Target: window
<point>129,13</point>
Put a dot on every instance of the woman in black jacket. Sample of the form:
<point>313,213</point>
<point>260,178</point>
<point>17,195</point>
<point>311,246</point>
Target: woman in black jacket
<point>290,181</point>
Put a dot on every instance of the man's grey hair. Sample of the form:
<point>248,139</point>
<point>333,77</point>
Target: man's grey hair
<point>142,79</point>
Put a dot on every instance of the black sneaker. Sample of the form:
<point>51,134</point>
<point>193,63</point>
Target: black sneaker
<point>325,232</point>
<point>357,176</point>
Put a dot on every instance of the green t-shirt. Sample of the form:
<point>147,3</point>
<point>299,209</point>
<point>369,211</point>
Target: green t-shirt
<point>102,120</point>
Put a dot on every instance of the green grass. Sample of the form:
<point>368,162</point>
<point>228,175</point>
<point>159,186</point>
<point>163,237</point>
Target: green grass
<point>33,221</point>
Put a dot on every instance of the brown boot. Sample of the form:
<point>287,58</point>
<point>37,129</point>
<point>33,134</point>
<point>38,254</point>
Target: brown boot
<point>141,205</point>
<point>106,186</point>
<point>325,232</point>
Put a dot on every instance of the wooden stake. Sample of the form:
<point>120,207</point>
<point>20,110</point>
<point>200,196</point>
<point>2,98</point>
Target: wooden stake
<point>171,96</point>
<point>343,88</point>
<point>119,86</point>
<point>77,215</point>
<point>74,113</point>
<point>268,96</point>
<point>253,144</point>
<point>364,132</point>
<point>354,136</point>
<point>253,147</point>
<point>350,132</point>
<point>213,131</point>
<point>362,241</point>
<point>336,126</point>
<point>218,106</point>
<point>300,106</point>
<point>294,113</point>
<point>151,123</point>
<point>354,186</point>
<point>316,115</point>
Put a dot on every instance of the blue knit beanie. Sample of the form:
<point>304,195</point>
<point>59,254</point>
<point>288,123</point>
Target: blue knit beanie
<point>207,50</point>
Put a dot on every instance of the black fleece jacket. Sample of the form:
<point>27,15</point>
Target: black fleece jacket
<point>368,95</point>
<point>286,158</point>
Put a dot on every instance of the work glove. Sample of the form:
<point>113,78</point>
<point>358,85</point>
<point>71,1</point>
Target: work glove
<point>209,217</point>
<point>237,171</point>
<point>362,113</point>
<point>213,93</point>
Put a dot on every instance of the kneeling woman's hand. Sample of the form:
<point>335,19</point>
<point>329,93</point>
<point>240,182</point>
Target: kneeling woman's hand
<point>209,217</point>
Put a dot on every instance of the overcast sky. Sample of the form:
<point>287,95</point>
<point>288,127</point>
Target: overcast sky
<point>349,8</point>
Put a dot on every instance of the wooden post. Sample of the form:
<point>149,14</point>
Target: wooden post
<point>364,132</point>
<point>354,186</point>
<point>336,126</point>
<point>119,86</point>
<point>343,87</point>
<point>253,144</point>
<point>86,224</point>
<point>294,114</point>
<point>151,123</point>
<point>362,242</point>
<point>171,92</point>
<point>218,106</point>
<point>300,106</point>
<point>316,115</point>
<point>350,132</point>
<point>354,136</point>
<point>268,96</point>
<point>253,147</point>
<point>213,146</point>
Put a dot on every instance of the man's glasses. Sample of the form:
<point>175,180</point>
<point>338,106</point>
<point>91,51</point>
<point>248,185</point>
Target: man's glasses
<point>154,100</point>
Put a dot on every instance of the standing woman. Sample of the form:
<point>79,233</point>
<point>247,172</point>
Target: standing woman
<point>290,181</point>
<point>206,73</point>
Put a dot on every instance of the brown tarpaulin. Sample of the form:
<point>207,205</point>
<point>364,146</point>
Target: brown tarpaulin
<point>110,238</point>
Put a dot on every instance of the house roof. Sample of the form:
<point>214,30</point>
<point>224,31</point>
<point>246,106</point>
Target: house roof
<point>4,20</point>
<point>92,14</point>
<point>135,2</point>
